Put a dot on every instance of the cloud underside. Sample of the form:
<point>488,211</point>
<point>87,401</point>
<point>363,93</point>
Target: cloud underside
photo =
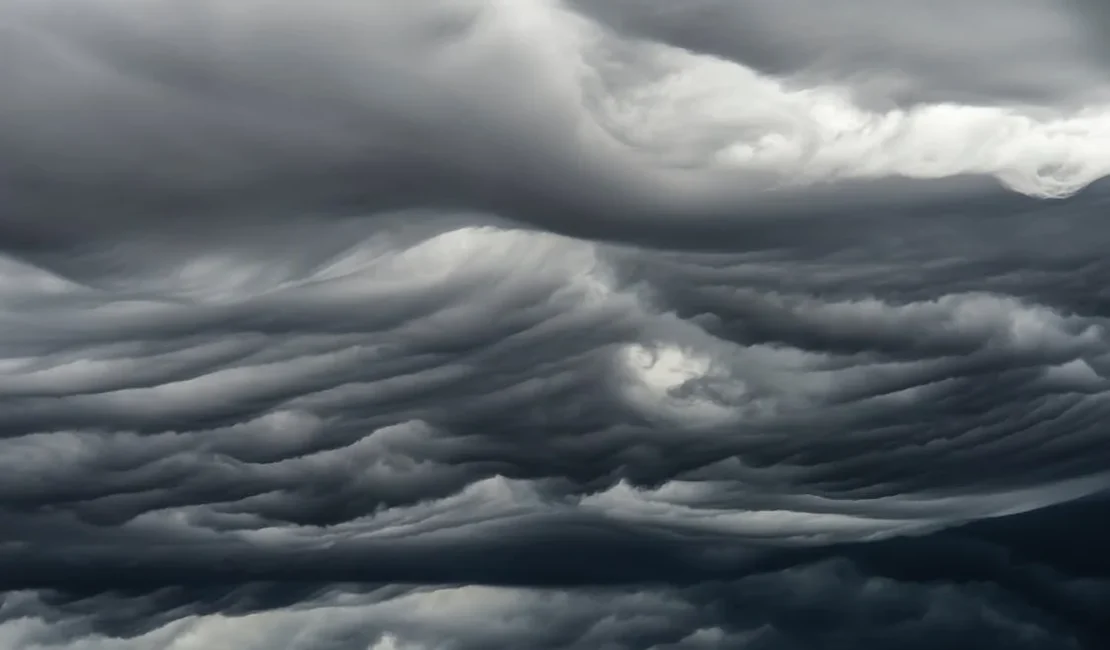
<point>607,324</point>
<point>494,406</point>
<point>800,607</point>
<point>594,116</point>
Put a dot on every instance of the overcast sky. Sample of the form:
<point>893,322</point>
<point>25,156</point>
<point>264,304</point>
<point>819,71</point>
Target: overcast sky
<point>553,324</point>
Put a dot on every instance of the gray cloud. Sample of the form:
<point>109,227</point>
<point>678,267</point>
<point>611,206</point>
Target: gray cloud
<point>894,52</point>
<point>608,324</point>
<point>793,609</point>
<point>419,392</point>
<point>181,114</point>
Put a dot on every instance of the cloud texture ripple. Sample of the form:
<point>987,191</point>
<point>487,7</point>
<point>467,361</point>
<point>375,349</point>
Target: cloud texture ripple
<point>572,324</point>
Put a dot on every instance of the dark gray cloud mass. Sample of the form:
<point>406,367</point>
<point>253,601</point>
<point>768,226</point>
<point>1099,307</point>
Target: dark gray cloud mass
<point>556,324</point>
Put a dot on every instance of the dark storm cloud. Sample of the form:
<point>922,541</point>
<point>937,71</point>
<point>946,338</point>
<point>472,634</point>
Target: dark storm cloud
<point>172,114</point>
<point>412,393</point>
<point>296,349</point>
<point>844,601</point>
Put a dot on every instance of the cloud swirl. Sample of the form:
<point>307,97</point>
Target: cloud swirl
<point>553,324</point>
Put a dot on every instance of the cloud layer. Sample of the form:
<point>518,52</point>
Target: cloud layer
<point>303,342</point>
<point>554,113</point>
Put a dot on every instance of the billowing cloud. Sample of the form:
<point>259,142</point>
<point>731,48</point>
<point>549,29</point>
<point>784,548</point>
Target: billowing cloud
<point>609,324</point>
<point>545,111</point>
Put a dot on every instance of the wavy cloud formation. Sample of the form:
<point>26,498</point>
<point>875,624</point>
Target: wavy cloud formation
<point>269,106</point>
<point>303,343</point>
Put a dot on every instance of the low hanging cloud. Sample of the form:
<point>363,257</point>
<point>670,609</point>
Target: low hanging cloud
<point>563,114</point>
<point>743,613</point>
<point>608,324</point>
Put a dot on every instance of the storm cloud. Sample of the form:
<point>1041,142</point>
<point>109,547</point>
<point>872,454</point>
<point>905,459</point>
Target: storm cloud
<point>553,324</point>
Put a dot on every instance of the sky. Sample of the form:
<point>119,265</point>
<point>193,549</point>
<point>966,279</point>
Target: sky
<point>554,324</point>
